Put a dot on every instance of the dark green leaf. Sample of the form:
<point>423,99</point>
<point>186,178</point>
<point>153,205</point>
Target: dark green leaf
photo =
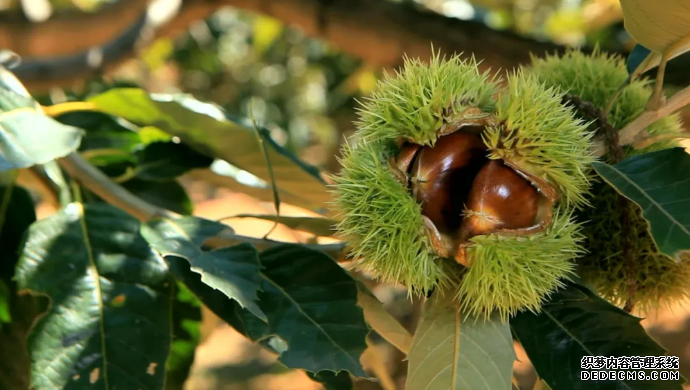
<point>102,131</point>
<point>27,136</point>
<point>226,309</point>
<point>207,128</point>
<point>30,138</point>
<point>575,323</point>
<point>186,336</point>
<point>5,316</point>
<point>108,326</point>
<point>232,270</point>
<point>109,158</point>
<point>311,303</point>
<point>332,381</point>
<point>168,160</point>
<point>452,351</point>
<point>317,226</point>
<point>638,54</point>
<point>659,182</point>
<point>169,194</point>
<point>328,324</point>
<point>17,213</point>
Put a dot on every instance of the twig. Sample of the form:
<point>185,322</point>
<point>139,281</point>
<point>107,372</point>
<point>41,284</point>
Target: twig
<point>643,143</point>
<point>629,133</point>
<point>100,184</point>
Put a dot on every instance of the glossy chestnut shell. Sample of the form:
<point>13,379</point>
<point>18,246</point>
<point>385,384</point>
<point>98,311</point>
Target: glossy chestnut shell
<point>464,194</point>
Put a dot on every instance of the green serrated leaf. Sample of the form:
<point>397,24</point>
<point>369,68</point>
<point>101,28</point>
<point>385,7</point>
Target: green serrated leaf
<point>232,270</point>
<point>456,352</point>
<point>317,226</point>
<point>658,182</point>
<point>226,309</point>
<point>383,322</point>
<point>207,128</point>
<point>575,323</point>
<point>332,381</point>
<point>108,326</point>
<point>311,303</point>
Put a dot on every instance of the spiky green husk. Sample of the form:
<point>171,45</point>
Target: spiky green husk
<point>383,223</point>
<point>415,102</point>
<point>542,136</point>
<point>656,279</point>
<point>659,281</point>
<point>510,274</point>
<point>595,78</point>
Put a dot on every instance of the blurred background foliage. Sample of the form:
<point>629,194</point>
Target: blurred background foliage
<point>302,89</point>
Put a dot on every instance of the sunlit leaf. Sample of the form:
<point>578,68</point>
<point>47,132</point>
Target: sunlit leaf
<point>232,270</point>
<point>108,325</point>
<point>383,322</point>
<point>659,182</point>
<point>658,26</point>
<point>451,351</point>
<point>209,129</point>
<point>223,175</point>
<point>27,136</point>
<point>575,323</point>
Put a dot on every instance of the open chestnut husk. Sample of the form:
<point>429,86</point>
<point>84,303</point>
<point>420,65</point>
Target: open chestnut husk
<point>453,184</point>
<point>464,194</point>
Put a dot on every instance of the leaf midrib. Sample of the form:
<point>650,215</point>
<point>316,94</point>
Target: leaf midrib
<point>558,323</point>
<point>299,308</point>
<point>99,292</point>
<point>651,200</point>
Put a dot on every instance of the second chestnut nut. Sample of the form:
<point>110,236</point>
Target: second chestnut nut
<point>464,194</point>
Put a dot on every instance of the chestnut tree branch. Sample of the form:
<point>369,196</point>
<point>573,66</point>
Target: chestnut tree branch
<point>380,32</point>
<point>97,182</point>
<point>631,133</point>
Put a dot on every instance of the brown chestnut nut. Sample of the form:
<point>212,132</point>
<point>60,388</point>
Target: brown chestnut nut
<point>401,164</point>
<point>442,175</point>
<point>500,198</point>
